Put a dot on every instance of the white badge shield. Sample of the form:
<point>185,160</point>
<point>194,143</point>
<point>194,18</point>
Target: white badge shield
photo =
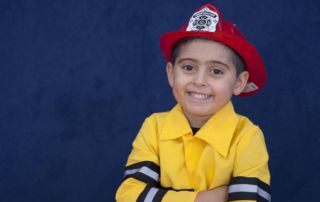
<point>203,20</point>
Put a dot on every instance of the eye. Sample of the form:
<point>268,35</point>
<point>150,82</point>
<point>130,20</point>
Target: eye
<point>187,67</point>
<point>216,71</point>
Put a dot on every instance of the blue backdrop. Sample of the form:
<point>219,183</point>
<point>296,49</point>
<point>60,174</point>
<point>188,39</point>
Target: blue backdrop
<point>78,77</point>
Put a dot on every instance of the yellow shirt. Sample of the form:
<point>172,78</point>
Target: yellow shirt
<point>168,163</point>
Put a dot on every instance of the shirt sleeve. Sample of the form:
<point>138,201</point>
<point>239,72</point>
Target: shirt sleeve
<point>251,177</point>
<point>142,171</point>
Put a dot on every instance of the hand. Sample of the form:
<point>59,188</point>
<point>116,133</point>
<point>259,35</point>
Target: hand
<point>218,194</point>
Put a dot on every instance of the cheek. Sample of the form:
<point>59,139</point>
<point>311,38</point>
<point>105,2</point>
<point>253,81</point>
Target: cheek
<point>223,87</point>
<point>180,85</point>
<point>179,82</point>
<point>178,88</point>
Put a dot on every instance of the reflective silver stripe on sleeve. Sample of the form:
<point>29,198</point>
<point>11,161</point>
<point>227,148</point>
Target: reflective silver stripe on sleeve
<point>249,188</point>
<point>145,170</point>
<point>151,194</point>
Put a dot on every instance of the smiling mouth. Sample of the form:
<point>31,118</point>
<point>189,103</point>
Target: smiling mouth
<point>199,96</point>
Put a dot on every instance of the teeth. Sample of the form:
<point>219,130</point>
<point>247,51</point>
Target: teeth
<point>199,96</point>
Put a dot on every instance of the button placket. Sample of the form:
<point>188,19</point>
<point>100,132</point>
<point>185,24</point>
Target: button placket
<point>192,149</point>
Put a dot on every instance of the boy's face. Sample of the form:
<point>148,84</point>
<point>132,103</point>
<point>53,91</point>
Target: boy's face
<point>203,79</point>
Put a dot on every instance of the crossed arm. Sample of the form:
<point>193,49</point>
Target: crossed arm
<point>132,190</point>
<point>219,194</point>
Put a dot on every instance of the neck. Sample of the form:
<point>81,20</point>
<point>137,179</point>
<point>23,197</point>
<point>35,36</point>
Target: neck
<point>196,121</point>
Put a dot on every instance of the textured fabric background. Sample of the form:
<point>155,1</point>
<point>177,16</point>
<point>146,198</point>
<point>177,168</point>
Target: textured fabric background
<point>78,77</point>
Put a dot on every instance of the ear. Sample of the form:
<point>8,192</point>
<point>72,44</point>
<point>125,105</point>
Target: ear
<point>241,83</point>
<point>169,69</point>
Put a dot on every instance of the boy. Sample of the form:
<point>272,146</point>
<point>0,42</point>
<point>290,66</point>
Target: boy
<point>202,150</point>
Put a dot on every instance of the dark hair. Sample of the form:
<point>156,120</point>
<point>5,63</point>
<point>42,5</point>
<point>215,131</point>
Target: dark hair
<point>237,59</point>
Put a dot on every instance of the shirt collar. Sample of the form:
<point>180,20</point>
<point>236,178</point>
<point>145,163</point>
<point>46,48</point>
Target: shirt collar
<point>217,131</point>
<point>176,124</point>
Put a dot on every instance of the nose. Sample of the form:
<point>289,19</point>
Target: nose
<point>200,79</point>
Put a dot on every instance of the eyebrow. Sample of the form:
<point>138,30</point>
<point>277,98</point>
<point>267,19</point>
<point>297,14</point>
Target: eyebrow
<point>210,61</point>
